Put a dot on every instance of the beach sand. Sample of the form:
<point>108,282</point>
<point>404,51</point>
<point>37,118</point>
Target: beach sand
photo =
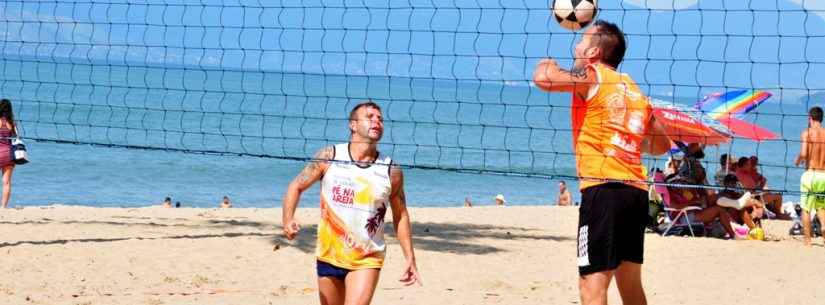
<point>479,255</point>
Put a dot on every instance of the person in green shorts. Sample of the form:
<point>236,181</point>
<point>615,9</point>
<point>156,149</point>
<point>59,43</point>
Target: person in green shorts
<point>812,183</point>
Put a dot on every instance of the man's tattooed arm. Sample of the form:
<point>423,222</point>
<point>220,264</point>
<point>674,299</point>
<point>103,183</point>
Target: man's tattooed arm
<point>312,172</point>
<point>315,167</point>
<point>550,77</point>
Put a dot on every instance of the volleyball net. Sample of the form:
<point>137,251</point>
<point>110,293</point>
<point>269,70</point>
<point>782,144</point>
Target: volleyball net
<point>277,79</point>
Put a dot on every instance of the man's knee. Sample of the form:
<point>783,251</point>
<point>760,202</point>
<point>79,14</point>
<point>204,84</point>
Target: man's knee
<point>595,283</point>
<point>593,287</point>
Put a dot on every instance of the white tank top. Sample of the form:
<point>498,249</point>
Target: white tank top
<point>354,200</point>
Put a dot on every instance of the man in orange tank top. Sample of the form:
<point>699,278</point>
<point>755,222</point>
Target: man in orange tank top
<point>612,127</point>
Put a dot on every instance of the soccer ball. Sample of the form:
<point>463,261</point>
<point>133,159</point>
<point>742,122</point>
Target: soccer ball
<point>575,14</point>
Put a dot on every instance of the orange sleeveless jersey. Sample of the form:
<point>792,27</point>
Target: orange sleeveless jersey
<point>608,129</point>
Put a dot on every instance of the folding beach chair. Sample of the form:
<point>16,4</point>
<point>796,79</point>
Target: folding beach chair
<point>676,219</point>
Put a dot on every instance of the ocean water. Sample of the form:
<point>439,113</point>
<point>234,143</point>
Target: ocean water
<point>244,129</point>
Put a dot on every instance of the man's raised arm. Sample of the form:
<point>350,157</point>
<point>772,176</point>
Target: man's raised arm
<point>550,77</point>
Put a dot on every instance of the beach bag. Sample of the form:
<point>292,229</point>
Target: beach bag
<point>18,152</point>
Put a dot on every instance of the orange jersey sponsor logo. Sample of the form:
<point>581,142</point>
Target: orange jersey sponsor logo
<point>608,129</point>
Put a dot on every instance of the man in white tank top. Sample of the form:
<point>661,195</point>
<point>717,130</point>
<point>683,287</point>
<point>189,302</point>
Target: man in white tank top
<point>357,184</point>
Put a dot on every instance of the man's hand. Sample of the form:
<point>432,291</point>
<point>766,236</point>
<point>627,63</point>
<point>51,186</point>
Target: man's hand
<point>656,142</point>
<point>545,66</point>
<point>410,275</point>
<point>543,75</point>
<point>312,172</point>
<point>291,228</point>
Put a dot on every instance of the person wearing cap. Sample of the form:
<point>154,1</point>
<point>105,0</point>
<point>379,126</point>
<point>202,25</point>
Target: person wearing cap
<point>690,170</point>
<point>500,200</point>
<point>673,163</point>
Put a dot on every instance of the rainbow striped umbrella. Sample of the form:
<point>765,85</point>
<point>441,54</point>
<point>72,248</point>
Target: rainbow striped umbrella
<point>733,104</point>
<point>683,123</point>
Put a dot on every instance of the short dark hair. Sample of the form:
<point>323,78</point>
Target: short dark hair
<point>723,160</point>
<point>368,103</point>
<point>562,182</point>
<point>611,41</point>
<point>742,161</point>
<point>730,180</point>
<point>816,113</point>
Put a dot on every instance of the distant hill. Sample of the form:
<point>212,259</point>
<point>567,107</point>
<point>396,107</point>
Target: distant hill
<point>815,98</point>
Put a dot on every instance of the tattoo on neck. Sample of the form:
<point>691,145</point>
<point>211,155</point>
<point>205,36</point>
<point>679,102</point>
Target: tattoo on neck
<point>578,72</point>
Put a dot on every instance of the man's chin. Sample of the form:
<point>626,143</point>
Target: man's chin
<point>375,136</point>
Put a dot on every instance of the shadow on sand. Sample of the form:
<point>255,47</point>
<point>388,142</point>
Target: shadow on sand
<point>460,238</point>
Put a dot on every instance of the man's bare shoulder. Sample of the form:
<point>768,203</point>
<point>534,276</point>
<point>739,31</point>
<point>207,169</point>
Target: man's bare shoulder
<point>326,153</point>
<point>814,135</point>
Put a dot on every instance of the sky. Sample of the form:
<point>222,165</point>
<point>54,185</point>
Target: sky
<point>681,48</point>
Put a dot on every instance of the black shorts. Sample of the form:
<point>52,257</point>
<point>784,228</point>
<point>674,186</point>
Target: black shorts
<point>612,220</point>
<point>327,269</point>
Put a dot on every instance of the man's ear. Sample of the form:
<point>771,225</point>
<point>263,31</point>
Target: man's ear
<point>593,53</point>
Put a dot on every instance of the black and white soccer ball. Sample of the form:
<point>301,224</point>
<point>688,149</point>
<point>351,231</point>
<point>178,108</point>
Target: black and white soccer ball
<point>575,14</point>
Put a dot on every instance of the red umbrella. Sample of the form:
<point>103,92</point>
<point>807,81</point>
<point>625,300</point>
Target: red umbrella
<point>688,126</point>
<point>747,130</point>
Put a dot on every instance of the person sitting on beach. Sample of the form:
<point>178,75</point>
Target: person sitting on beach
<point>225,204</point>
<point>707,215</point>
<point>772,200</point>
<point>753,170</point>
<point>565,198</point>
<point>500,200</point>
<point>743,173</point>
<point>167,202</point>
<point>726,166</point>
<point>467,202</point>
<point>690,172</point>
<point>744,208</point>
<point>672,166</point>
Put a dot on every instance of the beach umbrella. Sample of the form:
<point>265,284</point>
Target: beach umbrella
<point>682,123</point>
<point>747,130</point>
<point>730,107</point>
<point>734,104</point>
